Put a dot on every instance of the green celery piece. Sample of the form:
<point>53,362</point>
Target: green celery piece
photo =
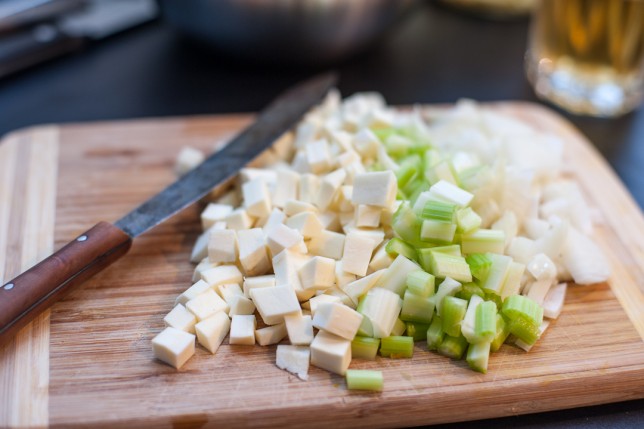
<point>436,210</point>
<point>496,299</point>
<point>524,330</point>
<point>399,328</point>
<point>415,188</point>
<point>435,334</point>
<point>418,331</point>
<point>443,265</point>
<point>502,332</point>
<point>467,220</point>
<point>397,146</point>
<point>452,249</point>
<point>365,329</point>
<point>521,307</point>
<point>364,348</point>
<point>443,170</point>
<point>409,170</point>
<point>478,356</point>
<point>483,241</point>
<point>470,289</point>
<point>383,133</point>
<point>497,274</point>
<point>480,265</point>
<point>435,231</point>
<point>449,287</point>
<point>416,308</point>
<point>364,379</point>
<point>453,347</point>
<point>485,324</point>
<point>431,158</point>
<point>452,313</point>
<point>397,347</point>
<point>421,283</point>
<point>396,247</point>
<point>407,226</point>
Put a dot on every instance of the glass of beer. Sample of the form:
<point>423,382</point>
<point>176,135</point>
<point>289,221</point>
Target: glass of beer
<point>587,56</point>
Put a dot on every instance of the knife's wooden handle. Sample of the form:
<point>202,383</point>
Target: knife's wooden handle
<point>33,291</point>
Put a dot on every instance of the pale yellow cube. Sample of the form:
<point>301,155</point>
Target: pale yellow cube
<point>173,346</point>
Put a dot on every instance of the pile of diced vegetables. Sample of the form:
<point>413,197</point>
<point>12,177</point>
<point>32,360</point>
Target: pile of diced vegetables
<point>369,229</point>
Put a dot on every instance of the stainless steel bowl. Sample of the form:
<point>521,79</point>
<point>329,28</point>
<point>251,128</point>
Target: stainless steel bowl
<point>292,31</point>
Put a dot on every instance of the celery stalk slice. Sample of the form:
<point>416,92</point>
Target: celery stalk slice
<point>452,315</point>
<point>485,324</point>
<point>435,334</point>
<point>364,348</point>
<point>502,332</point>
<point>418,331</point>
<point>421,283</point>
<point>483,240</point>
<point>478,356</point>
<point>397,347</point>
<point>453,347</point>
<point>416,308</point>
<point>363,379</point>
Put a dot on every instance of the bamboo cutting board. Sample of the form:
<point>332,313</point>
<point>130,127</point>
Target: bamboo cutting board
<point>89,363</point>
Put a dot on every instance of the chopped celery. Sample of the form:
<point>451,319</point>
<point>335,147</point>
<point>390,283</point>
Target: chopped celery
<point>521,307</point>
<point>414,189</point>
<point>482,241</point>
<point>397,146</point>
<point>468,325</point>
<point>453,347</point>
<point>452,314</point>
<point>469,290</point>
<point>467,220</point>
<point>502,332</point>
<point>396,247</point>
<point>524,330</point>
<point>444,265</point>
<point>435,231</point>
<point>436,210</point>
<point>416,308</point>
<point>418,331</point>
<point>409,170</point>
<point>421,283</point>
<point>397,347</point>
<point>485,325</point>
<point>478,356</point>
<point>512,282</point>
<point>449,287</point>
<point>399,328</point>
<point>407,225</point>
<point>497,274</point>
<point>435,334</point>
<point>364,348</point>
<point>496,299</point>
<point>480,264</point>
<point>381,307</point>
<point>443,170</point>
<point>363,379</point>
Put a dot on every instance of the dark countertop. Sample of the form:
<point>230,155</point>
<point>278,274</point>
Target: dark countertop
<point>434,56</point>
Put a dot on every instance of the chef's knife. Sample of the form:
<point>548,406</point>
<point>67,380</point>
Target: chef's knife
<point>26,296</point>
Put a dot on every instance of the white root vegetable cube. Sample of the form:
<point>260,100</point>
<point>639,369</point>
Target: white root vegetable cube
<point>348,158</point>
<point>307,223</point>
<point>202,266</point>
<point>342,278</point>
<point>253,254</point>
<point>395,277</point>
<point>330,220</point>
<point>328,244</point>
<point>276,217</point>
<point>357,253</point>
<point>241,305</point>
<point>228,291</point>
<point>337,319</point>
<point>200,248</point>
<point>299,328</point>
<point>222,274</point>
<point>381,259</point>
<point>318,273</point>
<point>448,192</point>
<point>270,334</point>
<point>318,156</point>
<point>554,301</point>
<point>180,318</point>
<point>294,359</point>
<point>368,216</point>
<point>366,143</point>
<point>286,265</point>
<point>188,159</point>
<point>173,346</point>
<point>375,188</point>
<point>293,207</point>
<point>541,267</point>
<point>192,292</point>
<point>299,163</point>
<point>239,219</point>
<point>214,213</point>
<point>286,187</point>
<point>282,237</point>
<point>222,246</point>
<point>376,235</point>
<point>267,176</point>
<point>331,352</point>
<point>309,187</point>
<point>257,200</point>
<point>315,302</point>
<point>381,307</point>
<point>242,330</point>
<point>206,304</point>
<point>212,331</point>
<point>257,282</point>
<point>273,303</point>
<point>361,286</point>
<point>343,199</point>
<point>329,186</point>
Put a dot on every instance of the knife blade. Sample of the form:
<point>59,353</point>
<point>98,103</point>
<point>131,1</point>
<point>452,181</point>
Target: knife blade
<point>27,295</point>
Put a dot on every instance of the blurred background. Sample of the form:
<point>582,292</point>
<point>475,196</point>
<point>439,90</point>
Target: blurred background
<point>89,60</point>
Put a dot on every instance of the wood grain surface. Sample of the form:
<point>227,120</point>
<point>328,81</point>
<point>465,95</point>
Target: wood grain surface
<point>101,368</point>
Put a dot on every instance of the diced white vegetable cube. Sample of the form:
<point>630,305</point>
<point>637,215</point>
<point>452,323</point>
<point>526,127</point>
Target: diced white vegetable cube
<point>282,237</point>
<point>538,290</point>
<point>206,304</point>
<point>202,266</point>
<point>286,265</point>
<point>541,267</point>
<point>329,186</point>
<point>188,159</point>
<point>299,328</point>
<point>381,259</point>
<point>257,282</point>
<point>309,188</point>
<point>293,207</point>
<point>276,217</point>
<point>318,156</point>
<point>193,291</point>
<point>257,200</point>
<point>307,223</point>
<point>267,176</point>
<point>376,235</point>
<point>299,163</point>
<point>241,305</point>
<point>253,254</point>
<point>508,224</point>
<point>331,352</point>
<point>214,213</point>
<point>342,278</point>
<point>368,216</point>
<point>584,259</point>
<point>270,334</point>
<point>274,302</point>
<point>286,187</point>
<point>180,318</point>
<point>366,143</point>
<point>222,274</point>
<point>512,283</point>
<point>228,291</point>
<point>200,248</point>
<point>522,249</point>
<point>314,302</point>
<point>357,253</point>
<point>318,273</point>
<point>451,193</point>
<point>330,221</point>
<point>212,331</point>
<point>328,244</point>
<point>337,319</point>
<point>242,329</point>
<point>239,219</point>
<point>361,286</point>
<point>535,228</point>
<point>294,359</point>
<point>381,307</point>
<point>222,246</point>
<point>554,301</point>
<point>173,346</point>
<point>395,277</point>
<point>375,188</point>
